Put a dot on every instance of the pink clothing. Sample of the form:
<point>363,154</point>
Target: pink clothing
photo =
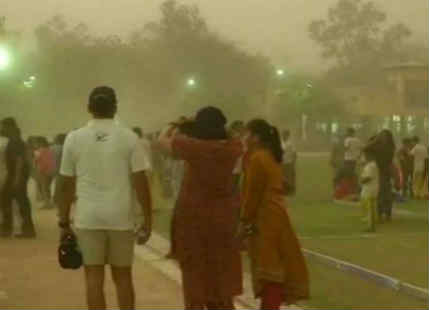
<point>45,161</point>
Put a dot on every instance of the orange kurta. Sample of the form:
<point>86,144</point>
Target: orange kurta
<point>274,250</point>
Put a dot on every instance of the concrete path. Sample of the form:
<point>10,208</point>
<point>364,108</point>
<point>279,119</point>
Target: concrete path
<point>30,276</point>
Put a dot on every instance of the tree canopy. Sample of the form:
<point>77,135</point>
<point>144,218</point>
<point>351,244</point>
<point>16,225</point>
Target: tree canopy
<point>356,37</point>
<point>153,65</point>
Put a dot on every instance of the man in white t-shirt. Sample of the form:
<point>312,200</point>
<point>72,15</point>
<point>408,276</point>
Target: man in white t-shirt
<point>147,148</point>
<point>353,150</point>
<point>104,166</point>
<point>420,154</point>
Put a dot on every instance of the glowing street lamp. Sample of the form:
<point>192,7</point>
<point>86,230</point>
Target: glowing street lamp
<point>280,72</point>
<point>4,58</point>
<point>191,82</point>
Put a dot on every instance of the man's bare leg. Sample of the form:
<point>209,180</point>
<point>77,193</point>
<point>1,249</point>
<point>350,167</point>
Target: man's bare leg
<point>122,276</point>
<point>95,287</point>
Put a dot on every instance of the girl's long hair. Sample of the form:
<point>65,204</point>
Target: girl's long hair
<point>269,137</point>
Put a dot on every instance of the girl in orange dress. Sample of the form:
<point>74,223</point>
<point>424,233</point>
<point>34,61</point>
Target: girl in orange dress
<point>279,270</point>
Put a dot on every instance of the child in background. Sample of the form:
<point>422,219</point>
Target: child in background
<point>370,187</point>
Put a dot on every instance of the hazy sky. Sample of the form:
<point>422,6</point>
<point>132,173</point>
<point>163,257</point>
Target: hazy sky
<point>277,28</point>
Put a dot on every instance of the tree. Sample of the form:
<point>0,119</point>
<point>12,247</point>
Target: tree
<point>300,94</point>
<point>181,45</point>
<point>354,36</point>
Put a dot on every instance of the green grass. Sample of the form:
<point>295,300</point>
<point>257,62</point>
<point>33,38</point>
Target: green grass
<point>398,249</point>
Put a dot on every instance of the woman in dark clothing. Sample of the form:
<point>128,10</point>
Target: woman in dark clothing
<point>15,187</point>
<point>383,146</point>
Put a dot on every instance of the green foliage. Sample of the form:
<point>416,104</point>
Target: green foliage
<point>153,65</point>
<point>299,94</point>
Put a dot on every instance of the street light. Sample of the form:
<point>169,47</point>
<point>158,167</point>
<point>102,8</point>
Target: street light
<point>280,72</point>
<point>191,82</point>
<point>4,58</point>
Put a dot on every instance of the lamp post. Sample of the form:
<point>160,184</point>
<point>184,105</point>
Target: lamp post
<point>272,88</point>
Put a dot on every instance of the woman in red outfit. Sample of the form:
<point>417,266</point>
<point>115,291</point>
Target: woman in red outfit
<point>207,213</point>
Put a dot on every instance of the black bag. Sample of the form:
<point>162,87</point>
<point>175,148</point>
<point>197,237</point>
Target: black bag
<point>69,255</point>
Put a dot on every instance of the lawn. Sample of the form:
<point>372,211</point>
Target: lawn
<point>398,249</point>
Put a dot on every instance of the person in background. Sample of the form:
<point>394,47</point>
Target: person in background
<point>353,149</point>
<point>426,186</point>
<point>46,167</point>
<point>185,128</point>
<point>206,215</point>
<point>3,169</point>
<point>279,271</point>
<point>383,147</point>
<point>236,131</point>
<point>406,165</point>
<point>103,165</point>
<point>33,143</point>
<point>57,148</point>
<point>419,153</point>
<point>148,149</point>
<point>16,185</point>
<point>337,158</point>
<point>289,163</point>
<point>370,187</point>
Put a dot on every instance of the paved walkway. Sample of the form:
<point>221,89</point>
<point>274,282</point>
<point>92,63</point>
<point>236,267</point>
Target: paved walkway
<point>30,276</point>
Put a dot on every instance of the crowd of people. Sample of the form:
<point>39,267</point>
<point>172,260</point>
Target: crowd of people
<point>229,186</point>
<point>227,183</point>
<point>21,160</point>
<point>376,173</point>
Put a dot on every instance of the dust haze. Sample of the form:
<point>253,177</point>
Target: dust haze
<point>277,29</point>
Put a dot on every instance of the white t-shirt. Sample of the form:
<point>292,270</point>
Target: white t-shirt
<point>420,153</point>
<point>370,189</point>
<point>353,148</point>
<point>288,152</point>
<point>102,156</point>
<point>3,169</point>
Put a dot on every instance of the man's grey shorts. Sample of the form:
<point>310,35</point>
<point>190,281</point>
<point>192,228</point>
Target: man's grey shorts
<point>106,247</point>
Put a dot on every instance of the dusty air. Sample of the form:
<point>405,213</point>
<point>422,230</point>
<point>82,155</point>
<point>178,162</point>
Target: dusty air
<point>190,154</point>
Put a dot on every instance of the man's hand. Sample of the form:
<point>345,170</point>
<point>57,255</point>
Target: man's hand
<point>144,197</point>
<point>144,234</point>
<point>64,232</point>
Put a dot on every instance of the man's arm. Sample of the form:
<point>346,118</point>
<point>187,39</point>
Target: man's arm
<point>66,193</point>
<point>144,198</point>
